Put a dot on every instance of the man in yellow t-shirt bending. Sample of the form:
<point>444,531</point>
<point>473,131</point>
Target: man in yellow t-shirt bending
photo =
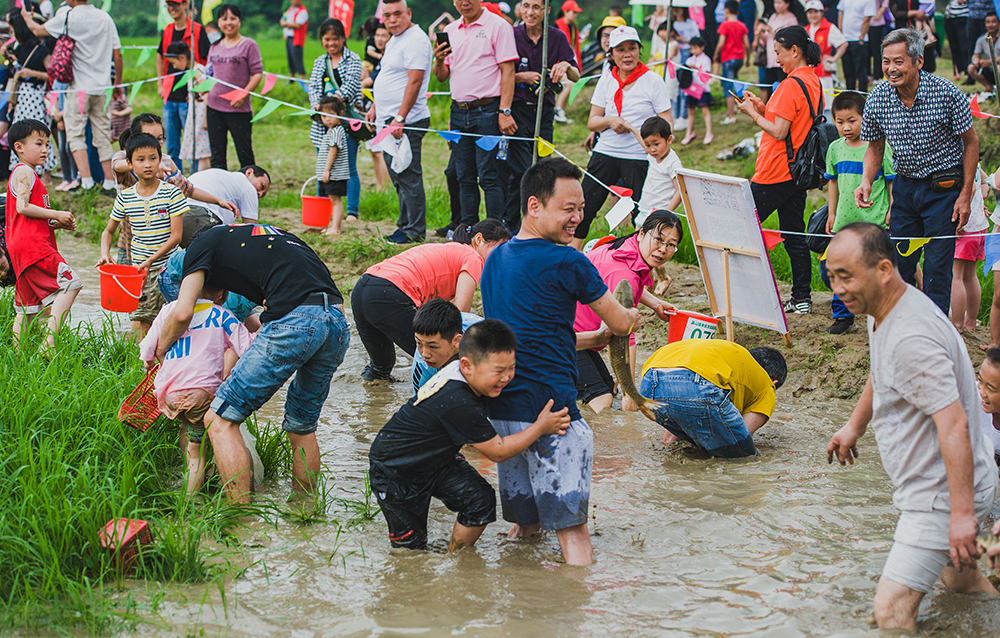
<point>715,393</point>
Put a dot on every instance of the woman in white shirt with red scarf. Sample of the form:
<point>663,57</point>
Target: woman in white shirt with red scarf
<point>629,96</point>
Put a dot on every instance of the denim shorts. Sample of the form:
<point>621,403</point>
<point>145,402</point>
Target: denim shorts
<point>698,411</point>
<point>549,483</point>
<point>729,70</point>
<point>309,342</point>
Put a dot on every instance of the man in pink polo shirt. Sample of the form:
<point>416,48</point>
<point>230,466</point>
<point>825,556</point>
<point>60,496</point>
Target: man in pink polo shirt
<point>478,59</point>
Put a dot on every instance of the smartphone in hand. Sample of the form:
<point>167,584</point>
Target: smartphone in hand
<point>442,38</point>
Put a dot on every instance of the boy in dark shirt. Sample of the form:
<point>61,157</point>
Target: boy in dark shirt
<point>416,455</point>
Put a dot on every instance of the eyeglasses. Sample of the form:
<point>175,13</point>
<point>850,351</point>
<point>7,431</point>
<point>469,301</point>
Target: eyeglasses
<point>659,242</point>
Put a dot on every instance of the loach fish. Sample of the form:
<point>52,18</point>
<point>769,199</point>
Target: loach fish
<point>620,364</point>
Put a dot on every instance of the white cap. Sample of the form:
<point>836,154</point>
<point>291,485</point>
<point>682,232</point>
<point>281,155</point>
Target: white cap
<point>504,7</point>
<point>623,34</point>
<point>815,4</point>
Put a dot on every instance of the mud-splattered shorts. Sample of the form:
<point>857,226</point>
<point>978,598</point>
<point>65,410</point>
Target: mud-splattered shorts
<point>190,407</point>
<point>549,483</point>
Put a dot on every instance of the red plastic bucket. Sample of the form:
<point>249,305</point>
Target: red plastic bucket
<point>691,325</point>
<point>121,287</point>
<point>316,211</point>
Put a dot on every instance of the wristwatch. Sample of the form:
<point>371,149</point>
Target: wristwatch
<point>505,112</point>
<point>399,118</point>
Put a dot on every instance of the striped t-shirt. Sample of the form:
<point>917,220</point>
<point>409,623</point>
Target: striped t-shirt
<point>149,218</point>
<point>340,170</point>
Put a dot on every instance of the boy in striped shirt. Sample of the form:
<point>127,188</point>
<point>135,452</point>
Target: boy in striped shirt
<point>155,210</point>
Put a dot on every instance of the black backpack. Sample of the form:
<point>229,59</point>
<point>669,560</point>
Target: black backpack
<point>808,164</point>
<point>684,78</point>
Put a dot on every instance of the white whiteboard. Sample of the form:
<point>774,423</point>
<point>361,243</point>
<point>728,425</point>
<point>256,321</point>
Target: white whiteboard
<point>721,211</point>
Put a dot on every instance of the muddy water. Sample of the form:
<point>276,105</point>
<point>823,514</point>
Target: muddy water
<point>783,545</point>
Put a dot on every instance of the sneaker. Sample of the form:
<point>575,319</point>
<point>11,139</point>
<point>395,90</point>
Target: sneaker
<point>370,374</point>
<point>729,120</point>
<point>444,230</point>
<point>680,124</point>
<point>798,306</point>
<point>840,326</point>
<point>560,116</point>
<point>400,238</point>
<point>395,236</point>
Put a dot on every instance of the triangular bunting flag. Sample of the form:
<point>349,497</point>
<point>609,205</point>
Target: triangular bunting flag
<point>205,85</point>
<point>135,89</point>
<point>270,80</point>
<point>544,148</point>
<point>270,107</point>
<point>144,55</point>
<point>4,98</point>
<point>386,130</point>
<point>738,88</point>
<point>772,238</point>
<point>235,94</point>
<point>577,87</point>
<point>619,212</point>
<point>671,70</point>
<point>774,87</point>
<point>181,80</point>
<point>368,94</point>
<point>823,256</point>
<point>976,111</point>
<point>915,245</point>
<point>168,85</point>
<point>80,95</point>
<point>108,92</point>
<point>704,77</point>
<point>621,191</point>
<point>488,142</point>
<point>992,252</point>
<point>305,88</point>
<point>451,136</point>
<point>354,124</point>
<point>308,112</point>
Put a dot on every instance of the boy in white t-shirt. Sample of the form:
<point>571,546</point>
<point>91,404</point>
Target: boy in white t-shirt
<point>989,392</point>
<point>660,191</point>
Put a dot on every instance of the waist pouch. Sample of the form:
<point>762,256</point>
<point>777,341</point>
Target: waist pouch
<point>949,179</point>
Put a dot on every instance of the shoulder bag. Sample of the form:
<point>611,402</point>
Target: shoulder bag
<point>61,65</point>
<point>363,133</point>
<point>807,165</point>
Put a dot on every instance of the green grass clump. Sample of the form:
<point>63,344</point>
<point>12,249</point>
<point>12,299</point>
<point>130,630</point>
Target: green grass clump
<point>68,466</point>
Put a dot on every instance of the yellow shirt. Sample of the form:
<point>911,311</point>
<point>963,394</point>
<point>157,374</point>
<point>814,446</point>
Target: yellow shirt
<point>726,365</point>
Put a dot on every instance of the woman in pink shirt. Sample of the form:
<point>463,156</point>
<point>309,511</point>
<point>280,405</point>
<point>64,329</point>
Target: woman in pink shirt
<point>387,296</point>
<point>630,258</point>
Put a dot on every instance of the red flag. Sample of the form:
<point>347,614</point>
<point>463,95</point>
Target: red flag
<point>270,80</point>
<point>671,71</point>
<point>235,94</point>
<point>343,10</point>
<point>621,191</point>
<point>976,111</point>
<point>772,238</point>
<point>168,85</point>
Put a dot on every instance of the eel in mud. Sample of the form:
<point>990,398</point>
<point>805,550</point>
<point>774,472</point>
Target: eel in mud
<point>620,364</point>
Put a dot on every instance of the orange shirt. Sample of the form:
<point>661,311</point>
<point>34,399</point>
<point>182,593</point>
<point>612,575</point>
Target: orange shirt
<point>788,102</point>
<point>430,271</point>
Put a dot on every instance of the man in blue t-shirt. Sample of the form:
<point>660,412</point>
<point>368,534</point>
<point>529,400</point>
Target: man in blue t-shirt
<point>533,283</point>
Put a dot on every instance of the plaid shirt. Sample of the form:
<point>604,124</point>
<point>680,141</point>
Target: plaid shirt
<point>979,8</point>
<point>924,138</point>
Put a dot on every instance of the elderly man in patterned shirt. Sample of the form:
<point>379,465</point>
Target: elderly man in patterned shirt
<point>928,123</point>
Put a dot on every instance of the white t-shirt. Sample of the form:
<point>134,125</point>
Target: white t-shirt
<point>658,189</point>
<point>645,98</point>
<point>231,187</point>
<point>299,18</point>
<point>855,12</point>
<point>990,431</point>
<point>96,38</point>
<point>919,366</point>
<point>408,51</point>
<point>977,208</point>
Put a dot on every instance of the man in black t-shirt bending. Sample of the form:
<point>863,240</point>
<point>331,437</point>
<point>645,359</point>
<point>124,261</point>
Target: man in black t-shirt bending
<point>304,333</point>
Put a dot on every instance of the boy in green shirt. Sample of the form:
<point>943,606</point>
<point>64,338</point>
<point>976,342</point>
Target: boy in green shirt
<point>844,167</point>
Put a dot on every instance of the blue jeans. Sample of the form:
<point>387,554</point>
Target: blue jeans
<point>730,69</point>
<point>696,410</point>
<point>917,211</point>
<point>748,14</point>
<point>353,181</point>
<point>309,342</point>
<point>474,166</point>
<point>174,116</point>
<point>840,311</point>
<point>680,104</point>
